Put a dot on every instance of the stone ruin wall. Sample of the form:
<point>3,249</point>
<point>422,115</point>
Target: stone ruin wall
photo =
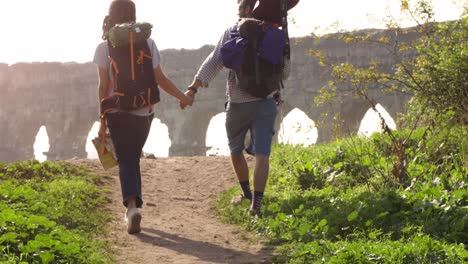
<point>63,97</point>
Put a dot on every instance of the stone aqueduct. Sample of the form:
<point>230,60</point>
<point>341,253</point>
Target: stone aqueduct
<point>62,97</point>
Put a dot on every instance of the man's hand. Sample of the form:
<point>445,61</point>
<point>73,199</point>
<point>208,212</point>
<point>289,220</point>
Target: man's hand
<point>190,93</point>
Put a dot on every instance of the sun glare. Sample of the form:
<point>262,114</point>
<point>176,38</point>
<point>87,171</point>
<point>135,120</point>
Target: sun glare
<point>57,30</point>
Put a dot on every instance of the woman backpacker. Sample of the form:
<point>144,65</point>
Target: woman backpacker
<point>129,75</point>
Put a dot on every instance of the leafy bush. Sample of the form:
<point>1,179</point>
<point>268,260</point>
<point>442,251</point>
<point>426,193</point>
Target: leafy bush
<point>437,76</point>
<point>48,214</point>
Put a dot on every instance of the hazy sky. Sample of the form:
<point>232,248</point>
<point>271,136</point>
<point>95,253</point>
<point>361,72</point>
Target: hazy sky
<point>69,30</point>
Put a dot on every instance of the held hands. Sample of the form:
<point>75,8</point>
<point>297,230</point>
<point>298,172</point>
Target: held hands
<point>186,100</point>
<point>190,93</point>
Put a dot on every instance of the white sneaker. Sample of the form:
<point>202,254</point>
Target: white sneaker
<point>133,218</point>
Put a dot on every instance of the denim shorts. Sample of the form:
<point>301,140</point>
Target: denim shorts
<point>258,117</point>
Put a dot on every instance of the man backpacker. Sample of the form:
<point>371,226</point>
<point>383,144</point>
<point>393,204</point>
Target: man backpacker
<point>258,51</point>
<point>133,85</point>
<point>245,112</point>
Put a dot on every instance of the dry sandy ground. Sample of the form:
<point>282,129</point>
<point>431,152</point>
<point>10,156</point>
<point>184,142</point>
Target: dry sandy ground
<point>178,223</point>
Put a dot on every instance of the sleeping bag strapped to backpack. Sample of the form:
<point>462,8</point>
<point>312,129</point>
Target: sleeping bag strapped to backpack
<point>134,83</point>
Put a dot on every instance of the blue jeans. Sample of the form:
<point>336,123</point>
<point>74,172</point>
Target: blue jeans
<point>258,117</point>
<point>129,133</point>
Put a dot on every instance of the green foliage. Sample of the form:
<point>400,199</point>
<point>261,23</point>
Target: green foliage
<point>430,62</point>
<point>417,249</point>
<point>438,75</point>
<point>48,214</point>
<point>337,203</point>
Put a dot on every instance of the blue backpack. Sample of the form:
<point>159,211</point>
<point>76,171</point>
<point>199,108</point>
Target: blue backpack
<point>232,51</point>
<point>255,53</point>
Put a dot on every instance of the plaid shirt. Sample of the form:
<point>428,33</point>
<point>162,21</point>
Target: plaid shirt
<point>213,64</point>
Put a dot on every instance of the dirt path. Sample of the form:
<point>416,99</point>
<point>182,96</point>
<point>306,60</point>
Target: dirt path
<point>178,223</point>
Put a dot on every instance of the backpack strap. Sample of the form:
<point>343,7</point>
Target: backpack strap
<point>256,62</point>
<point>284,26</point>
<point>132,60</point>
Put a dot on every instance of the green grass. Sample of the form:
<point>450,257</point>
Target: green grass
<point>48,214</point>
<point>343,202</point>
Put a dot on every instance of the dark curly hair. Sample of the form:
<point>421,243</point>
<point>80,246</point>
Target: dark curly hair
<point>120,11</point>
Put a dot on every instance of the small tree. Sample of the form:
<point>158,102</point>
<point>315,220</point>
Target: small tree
<point>438,75</point>
<point>430,63</point>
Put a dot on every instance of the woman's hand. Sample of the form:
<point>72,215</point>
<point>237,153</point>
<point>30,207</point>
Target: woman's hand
<point>186,100</point>
<point>102,130</point>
